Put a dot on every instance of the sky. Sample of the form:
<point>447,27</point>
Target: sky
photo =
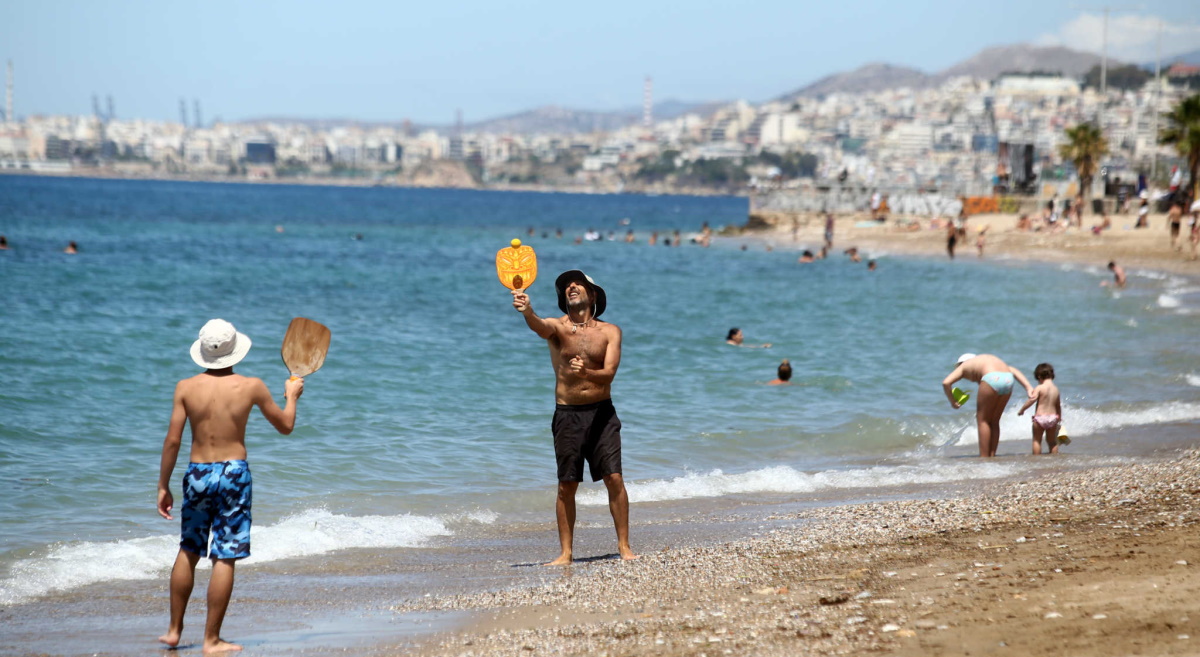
<point>383,60</point>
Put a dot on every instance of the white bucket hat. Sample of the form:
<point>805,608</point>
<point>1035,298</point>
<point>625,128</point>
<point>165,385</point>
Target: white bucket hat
<point>964,358</point>
<point>220,345</point>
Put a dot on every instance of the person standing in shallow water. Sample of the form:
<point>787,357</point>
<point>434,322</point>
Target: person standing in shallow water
<point>585,354</point>
<point>217,485</point>
<point>995,379</point>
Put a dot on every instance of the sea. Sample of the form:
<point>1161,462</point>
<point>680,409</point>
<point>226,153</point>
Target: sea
<point>422,460</point>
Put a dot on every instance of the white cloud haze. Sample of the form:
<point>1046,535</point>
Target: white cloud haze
<point>1131,37</point>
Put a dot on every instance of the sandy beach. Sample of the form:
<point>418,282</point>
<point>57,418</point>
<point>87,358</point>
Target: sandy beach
<point>1098,562</point>
<point>1093,562</point>
<point>1147,248</point>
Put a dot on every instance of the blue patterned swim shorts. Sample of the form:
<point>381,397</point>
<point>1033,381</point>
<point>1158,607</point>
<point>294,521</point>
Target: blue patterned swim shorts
<point>216,501</point>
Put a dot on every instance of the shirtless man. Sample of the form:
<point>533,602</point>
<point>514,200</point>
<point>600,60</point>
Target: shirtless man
<point>1118,275</point>
<point>995,379</point>
<point>585,353</point>
<point>217,486</point>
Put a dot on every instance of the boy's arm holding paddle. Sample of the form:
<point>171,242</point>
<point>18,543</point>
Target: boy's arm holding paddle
<point>283,419</point>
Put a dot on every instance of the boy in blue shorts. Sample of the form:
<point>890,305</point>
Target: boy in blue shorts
<point>216,487</point>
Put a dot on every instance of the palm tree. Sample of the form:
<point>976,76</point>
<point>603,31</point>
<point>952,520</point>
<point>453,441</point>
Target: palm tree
<point>1183,130</point>
<point>1085,146</point>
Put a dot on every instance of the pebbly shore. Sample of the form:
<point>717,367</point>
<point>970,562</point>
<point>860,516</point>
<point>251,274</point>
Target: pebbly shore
<point>902,577</point>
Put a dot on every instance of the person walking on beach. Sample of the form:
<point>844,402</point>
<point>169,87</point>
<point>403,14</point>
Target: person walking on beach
<point>951,238</point>
<point>995,379</point>
<point>217,485</point>
<point>1047,417</point>
<point>585,354</point>
<point>1174,222</point>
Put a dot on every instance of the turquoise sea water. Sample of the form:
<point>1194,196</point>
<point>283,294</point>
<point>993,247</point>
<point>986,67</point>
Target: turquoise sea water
<point>430,418</point>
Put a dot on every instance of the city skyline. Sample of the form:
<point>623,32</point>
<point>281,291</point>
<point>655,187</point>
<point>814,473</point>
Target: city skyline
<point>374,61</point>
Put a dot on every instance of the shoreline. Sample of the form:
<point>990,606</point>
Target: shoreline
<point>1084,562</point>
<point>368,183</point>
<point>1147,248</point>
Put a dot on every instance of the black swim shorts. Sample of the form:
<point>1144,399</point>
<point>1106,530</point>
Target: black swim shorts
<point>588,432</point>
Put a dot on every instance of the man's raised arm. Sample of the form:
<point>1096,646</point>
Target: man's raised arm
<point>543,327</point>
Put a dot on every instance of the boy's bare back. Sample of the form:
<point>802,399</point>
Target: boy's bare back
<point>217,405</point>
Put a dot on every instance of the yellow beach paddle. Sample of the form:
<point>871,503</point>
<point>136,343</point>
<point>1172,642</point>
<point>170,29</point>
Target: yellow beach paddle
<point>304,347</point>
<point>960,396</point>
<point>516,265</point>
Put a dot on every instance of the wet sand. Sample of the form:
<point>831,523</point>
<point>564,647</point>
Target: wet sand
<point>1094,562</point>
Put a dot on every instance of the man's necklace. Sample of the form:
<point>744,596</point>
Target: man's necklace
<point>575,327</point>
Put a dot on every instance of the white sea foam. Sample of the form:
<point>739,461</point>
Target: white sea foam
<point>1086,422</point>
<point>308,533</point>
<point>1192,379</point>
<point>784,479</point>
<point>1168,301</point>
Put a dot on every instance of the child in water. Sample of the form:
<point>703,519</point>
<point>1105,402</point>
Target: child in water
<point>1048,417</point>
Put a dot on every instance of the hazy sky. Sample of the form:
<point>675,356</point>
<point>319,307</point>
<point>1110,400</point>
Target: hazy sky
<point>383,60</point>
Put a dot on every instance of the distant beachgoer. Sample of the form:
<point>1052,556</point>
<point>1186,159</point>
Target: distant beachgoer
<point>217,485</point>
<point>1195,228</point>
<point>3,243</point>
<point>653,238</point>
<point>530,231</point>
<point>784,374</point>
<point>72,248</point>
<point>829,230</point>
<point>982,239</point>
<point>1143,220</point>
<point>1047,417</point>
<point>736,338</point>
<point>951,239</point>
<point>558,233</point>
<point>995,379</point>
<point>806,256</point>
<point>629,236</point>
<point>1104,225</point>
<point>1023,223</point>
<point>1174,222</point>
<point>870,265</point>
<point>1122,198</point>
<point>592,235</point>
<point>852,253</point>
<point>677,238</point>
<point>585,353</point>
<point>1118,275</point>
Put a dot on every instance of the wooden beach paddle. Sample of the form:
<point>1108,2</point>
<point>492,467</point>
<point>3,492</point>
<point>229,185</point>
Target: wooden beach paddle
<point>516,266</point>
<point>304,347</point>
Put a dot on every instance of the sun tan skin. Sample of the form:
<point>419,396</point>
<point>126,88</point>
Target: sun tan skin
<point>585,361</point>
<point>217,403</point>
<point>1045,395</point>
<point>989,405</point>
<point>1118,276</point>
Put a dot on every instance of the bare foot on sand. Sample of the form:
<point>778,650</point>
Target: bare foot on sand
<point>562,560</point>
<point>171,638</point>
<point>628,555</point>
<point>221,645</point>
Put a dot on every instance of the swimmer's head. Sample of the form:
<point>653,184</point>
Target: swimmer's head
<point>1043,371</point>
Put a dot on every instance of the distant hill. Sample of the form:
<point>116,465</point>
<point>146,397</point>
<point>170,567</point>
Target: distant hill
<point>1192,58</point>
<point>871,77</point>
<point>987,64</point>
<point>554,119</point>
<point>991,62</point>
